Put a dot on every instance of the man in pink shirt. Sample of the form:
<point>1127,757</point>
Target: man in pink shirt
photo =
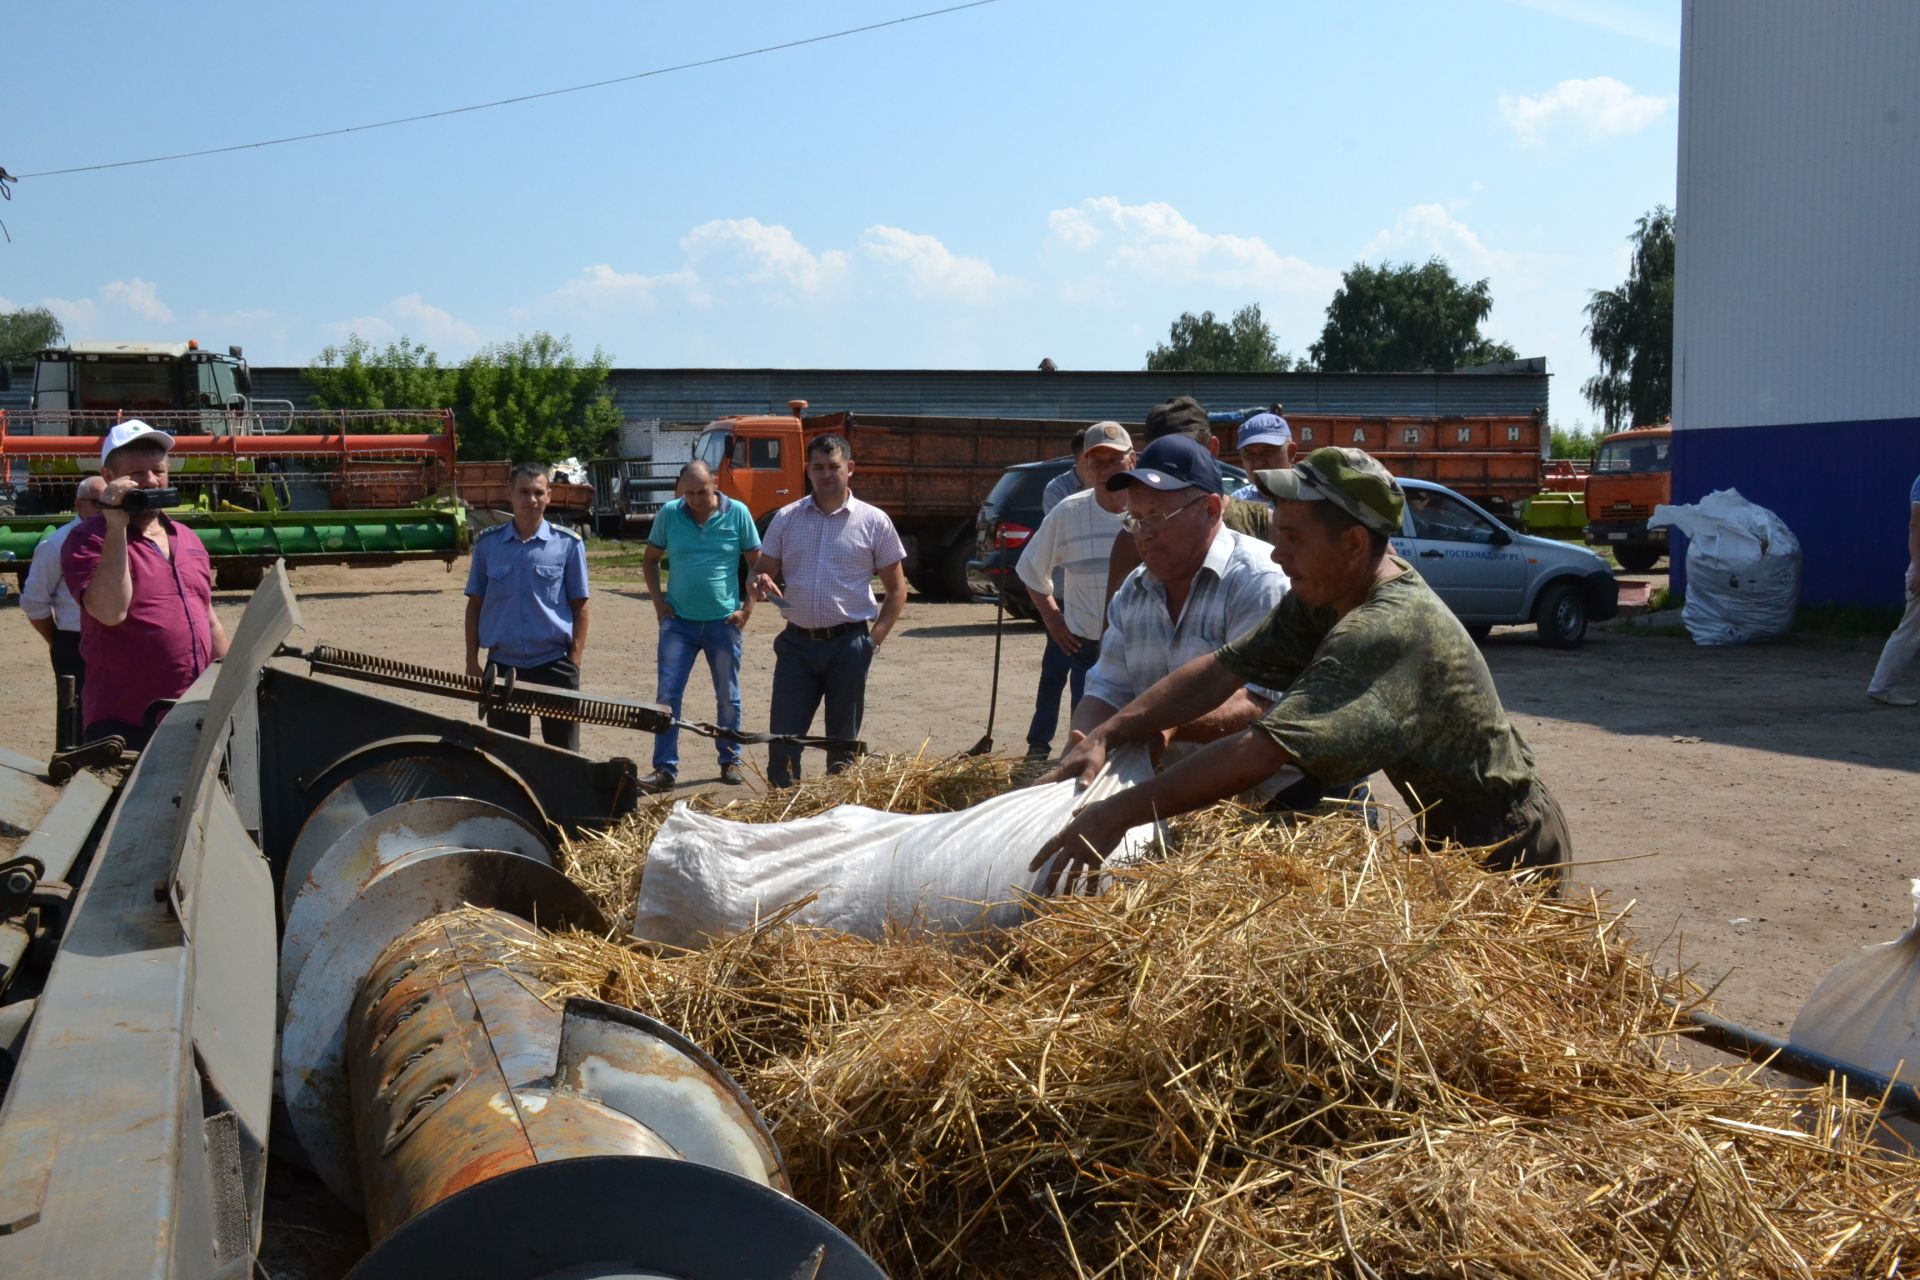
<point>145,587</point>
<point>817,564</point>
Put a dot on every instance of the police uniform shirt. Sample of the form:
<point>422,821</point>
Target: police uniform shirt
<point>526,588</point>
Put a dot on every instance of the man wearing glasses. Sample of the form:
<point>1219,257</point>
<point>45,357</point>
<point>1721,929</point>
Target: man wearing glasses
<point>1377,673</point>
<point>1199,585</point>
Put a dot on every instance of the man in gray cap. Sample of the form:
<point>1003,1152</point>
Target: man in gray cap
<point>1067,558</point>
<point>1375,673</point>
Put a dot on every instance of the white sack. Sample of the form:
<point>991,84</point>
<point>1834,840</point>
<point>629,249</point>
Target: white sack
<point>1867,1012</point>
<point>709,877</point>
<point>1743,568</point>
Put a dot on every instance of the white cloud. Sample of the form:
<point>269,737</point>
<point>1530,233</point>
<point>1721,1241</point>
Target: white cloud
<point>79,317</point>
<point>123,310</point>
<point>138,297</point>
<point>1428,230</point>
<point>1598,108</point>
<point>412,316</point>
<point>601,288</point>
<point>1157,241</point>
<point>932,270</point>
<point>762,254</point>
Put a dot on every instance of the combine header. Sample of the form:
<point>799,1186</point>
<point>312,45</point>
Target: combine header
<point>310,486</point>
<point>388,865</point>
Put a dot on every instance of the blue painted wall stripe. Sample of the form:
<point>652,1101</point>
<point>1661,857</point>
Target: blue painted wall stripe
<point>1842,488</point>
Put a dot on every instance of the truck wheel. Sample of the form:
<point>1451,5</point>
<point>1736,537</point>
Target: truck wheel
<point>238,577</point>
<point>1636,559</point>
<point>1561,616</point>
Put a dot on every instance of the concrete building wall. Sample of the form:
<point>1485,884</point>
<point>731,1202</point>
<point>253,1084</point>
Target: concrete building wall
<point>1797,289</point>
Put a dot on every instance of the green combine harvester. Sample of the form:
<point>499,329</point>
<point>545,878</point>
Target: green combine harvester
<point>263,480</point>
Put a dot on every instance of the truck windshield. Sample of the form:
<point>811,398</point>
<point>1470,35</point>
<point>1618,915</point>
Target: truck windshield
<point>123,384</point>
<point>712,447</point>
<point>1618,457</point>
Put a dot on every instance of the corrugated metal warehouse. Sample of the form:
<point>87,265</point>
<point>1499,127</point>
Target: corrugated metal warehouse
<point>699,395</point>
<point>1797,286</point>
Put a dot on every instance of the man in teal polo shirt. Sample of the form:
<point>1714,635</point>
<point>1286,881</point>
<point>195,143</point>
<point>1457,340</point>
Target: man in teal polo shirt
<point>527,603</point>
<point>706,535</point>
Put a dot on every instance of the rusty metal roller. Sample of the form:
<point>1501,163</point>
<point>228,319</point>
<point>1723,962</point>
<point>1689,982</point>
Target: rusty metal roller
<point>460,1071</point>
<point>485,1132</point>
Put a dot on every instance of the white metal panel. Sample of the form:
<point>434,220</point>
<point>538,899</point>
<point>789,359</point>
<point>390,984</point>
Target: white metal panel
<point>1797,288</point>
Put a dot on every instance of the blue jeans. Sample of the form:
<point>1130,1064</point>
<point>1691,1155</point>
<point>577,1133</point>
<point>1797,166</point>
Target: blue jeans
<point>680,643</point>
<point>805,671</point>
<point>1058,670</point>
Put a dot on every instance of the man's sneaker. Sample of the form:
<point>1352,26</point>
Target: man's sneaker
<point>1042,752</point>
<point>1892,699</point>
<point>733,775</point>
<point>657,781</point>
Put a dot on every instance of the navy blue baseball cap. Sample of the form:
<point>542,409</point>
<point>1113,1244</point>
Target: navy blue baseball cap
<point>1172,462</point>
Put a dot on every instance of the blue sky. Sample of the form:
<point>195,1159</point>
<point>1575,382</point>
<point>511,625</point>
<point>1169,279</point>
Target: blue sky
<point>1031,178</point>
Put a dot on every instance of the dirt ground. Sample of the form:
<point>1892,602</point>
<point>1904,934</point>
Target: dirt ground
<point>1754,807</point>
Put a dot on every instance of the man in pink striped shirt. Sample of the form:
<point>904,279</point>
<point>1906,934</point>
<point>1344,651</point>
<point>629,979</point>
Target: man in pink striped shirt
<point>826,548</point>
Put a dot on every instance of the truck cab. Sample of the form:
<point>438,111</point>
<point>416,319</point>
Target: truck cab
<point>761,459</point>
<point>1630,477</point>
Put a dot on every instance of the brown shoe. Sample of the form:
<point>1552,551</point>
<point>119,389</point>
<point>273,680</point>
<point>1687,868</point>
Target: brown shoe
<point>657,781</point>
<point>733,775</point>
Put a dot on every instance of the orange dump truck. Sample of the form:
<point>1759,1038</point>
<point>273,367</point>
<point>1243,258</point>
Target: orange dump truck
<point>1631,476</point>
<point>1493,459</point>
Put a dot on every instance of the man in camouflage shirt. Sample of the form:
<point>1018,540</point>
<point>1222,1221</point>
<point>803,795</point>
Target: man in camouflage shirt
<point>1377,674</point>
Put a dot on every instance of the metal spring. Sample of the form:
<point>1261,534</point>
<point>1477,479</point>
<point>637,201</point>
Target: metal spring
<point>331,656</point>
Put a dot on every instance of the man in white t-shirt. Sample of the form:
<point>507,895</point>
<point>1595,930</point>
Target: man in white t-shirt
<point>1074,541</point>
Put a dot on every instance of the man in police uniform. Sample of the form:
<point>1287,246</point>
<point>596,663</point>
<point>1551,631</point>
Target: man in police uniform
<point>527,603</point>
<point>1377,673</point>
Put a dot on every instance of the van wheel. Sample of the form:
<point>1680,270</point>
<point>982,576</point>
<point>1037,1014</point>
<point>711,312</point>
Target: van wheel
<point>1479,631</point>
<point>953,568</point>
<point>1561,616</point>
<point>1636,559</point>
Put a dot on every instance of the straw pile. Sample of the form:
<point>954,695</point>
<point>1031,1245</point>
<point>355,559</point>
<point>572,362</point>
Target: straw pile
<point>1275,1053</point>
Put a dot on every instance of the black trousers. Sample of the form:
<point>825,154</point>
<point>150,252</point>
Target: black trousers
<point>67,661</point>
<point>561,674</point>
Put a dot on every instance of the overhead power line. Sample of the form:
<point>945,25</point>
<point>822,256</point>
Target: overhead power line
<point>525,97</point>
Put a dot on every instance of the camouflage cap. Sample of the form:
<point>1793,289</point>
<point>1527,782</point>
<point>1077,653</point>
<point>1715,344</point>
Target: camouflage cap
<point>1180,416</point>
<point>1350,479</point>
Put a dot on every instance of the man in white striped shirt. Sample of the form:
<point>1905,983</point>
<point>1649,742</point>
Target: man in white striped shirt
<point>1073,543</point>
<point>1199,585</point>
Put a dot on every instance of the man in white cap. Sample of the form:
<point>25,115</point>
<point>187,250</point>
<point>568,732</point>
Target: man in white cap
<point>1265,442</point>
<point>50,608</point>
<point>145,587</point>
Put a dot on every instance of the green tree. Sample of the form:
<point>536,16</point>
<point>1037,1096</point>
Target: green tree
<point>1631,331</point>
<point>1202,344</point>
<point>27,330</point>
<point>1576,442</point>
<point>532,400</point>
<point>1398,319</point>
<point>405,375</point>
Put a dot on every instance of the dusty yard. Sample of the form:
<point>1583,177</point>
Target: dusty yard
<point>1756,808</point>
